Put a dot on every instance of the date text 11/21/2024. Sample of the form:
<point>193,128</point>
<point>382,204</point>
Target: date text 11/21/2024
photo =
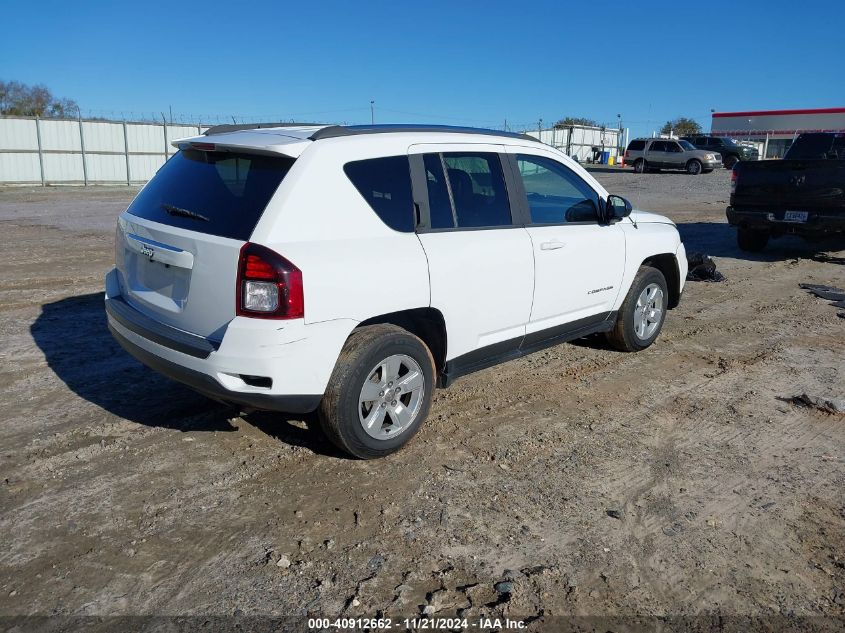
<point>422,624</point>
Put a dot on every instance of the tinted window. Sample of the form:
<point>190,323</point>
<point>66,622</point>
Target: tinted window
<point>673,147</point>
<point>478,189</point>
<point>220,193</point>
<point>440,207</point>
<point>636,146</point>
<point>555,193</point>
<point>385,184</point>
<point>657,146</point>
<point>686,145</point>
<point>818,146</point>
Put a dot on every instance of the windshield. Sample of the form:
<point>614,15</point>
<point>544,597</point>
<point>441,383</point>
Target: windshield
<point>220,193</point>
<point>687,145</point>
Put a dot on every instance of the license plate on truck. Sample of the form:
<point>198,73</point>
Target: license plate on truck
<point>795,216</point>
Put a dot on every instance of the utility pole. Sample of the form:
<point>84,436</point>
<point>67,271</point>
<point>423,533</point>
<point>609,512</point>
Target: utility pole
<point>619,148</point>
<point>372,112</point>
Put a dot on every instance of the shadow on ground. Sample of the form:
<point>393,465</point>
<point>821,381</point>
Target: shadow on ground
<point>718,239</point>
<point>76,343</point>
<point>607,169</point>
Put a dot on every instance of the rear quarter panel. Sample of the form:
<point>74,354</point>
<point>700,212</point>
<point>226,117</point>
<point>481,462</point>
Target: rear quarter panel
<point>353,265</point>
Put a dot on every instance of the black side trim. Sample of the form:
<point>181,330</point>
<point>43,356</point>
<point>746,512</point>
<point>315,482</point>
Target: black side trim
<point>522,346</point>
<point>482,358</point>
<point>142,325</point>
<point>207,386</point>
<point>335,131</point>
<point>567,332</point>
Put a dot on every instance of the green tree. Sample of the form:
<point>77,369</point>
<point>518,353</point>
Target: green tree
<point>682,126</point>
<point>575,120</point>
<point>17,98</point>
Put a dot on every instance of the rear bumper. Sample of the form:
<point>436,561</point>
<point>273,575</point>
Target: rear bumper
<point>259,363</point>
<point>818,223</point>
<point>211,388</point>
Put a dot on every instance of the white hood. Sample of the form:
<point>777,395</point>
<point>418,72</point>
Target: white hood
<point>646,217</point>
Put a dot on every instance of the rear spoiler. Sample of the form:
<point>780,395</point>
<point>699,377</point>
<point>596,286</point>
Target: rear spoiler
<point>248,141</point>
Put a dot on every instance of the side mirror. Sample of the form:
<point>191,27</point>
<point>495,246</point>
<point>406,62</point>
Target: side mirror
<point>617,208</point>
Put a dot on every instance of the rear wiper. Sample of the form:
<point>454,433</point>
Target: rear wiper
<point>184,213</point>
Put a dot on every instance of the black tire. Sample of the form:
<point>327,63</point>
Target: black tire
<point>640,166</point>
<point>730,161</point>
<point>623,336</point>
<point>751,240</point>
<point>694,167</point>
<point>339,409</point>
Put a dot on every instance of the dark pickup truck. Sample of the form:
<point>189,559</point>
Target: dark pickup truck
<point>803,194</point>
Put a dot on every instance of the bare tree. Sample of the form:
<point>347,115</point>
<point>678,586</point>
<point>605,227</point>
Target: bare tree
<point>17,98</point>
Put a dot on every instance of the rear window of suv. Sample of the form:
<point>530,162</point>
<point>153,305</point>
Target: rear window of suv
<point>636,146</point>
<point>219,193</point>
<point>385,183</point>
<point>816,146</point>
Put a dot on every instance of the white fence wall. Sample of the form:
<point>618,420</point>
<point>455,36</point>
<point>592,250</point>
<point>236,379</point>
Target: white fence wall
<point>578,141</point>
<point>71,151</point>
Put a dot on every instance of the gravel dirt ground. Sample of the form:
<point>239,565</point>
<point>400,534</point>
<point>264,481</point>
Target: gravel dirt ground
<point>680,482</point>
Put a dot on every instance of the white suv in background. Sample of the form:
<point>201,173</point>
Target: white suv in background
<point>353,269</point>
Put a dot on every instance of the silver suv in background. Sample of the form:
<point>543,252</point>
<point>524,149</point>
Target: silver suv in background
<point>654,154</point>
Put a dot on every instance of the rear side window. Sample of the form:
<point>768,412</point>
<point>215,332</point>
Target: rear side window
<point>636,146</point>
<point>385,183</point>
<point>477,184</point>
<point>219,193</point>
<point>658,146</point>
<point>439,204</point>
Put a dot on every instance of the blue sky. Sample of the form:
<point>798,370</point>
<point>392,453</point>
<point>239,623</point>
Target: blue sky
<point>461,63</point>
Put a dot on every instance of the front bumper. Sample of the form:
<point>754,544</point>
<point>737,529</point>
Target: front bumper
<point>259,363</point>
<point>683,269</point>
<point>818,222</point>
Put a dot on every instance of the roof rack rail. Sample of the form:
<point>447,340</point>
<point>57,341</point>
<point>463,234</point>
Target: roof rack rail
<point>234,127</point>
<point>335,131</point>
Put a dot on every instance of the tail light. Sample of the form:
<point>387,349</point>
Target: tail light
<point>627,153</point>
<point>269,286</point>
<point>733,180</point>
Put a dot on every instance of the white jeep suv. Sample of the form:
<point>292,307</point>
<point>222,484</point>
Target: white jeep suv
<point>350,270</point>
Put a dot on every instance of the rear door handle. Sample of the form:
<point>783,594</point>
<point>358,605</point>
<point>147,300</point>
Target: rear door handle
<point>551,246</point>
